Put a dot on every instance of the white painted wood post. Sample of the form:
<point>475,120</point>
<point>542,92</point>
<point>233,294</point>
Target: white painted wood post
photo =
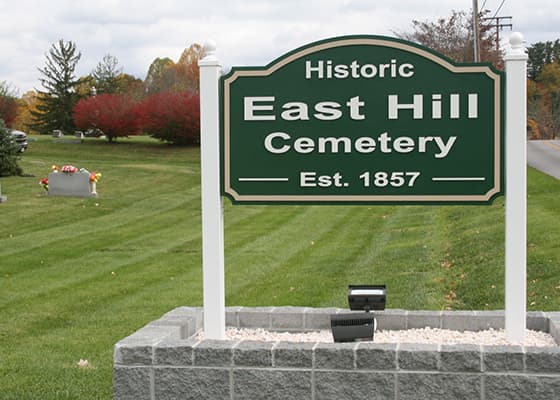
<point>516,189</point>
<point>212,206</point>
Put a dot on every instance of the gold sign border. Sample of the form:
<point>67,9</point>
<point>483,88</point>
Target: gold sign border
<point>365,198</point>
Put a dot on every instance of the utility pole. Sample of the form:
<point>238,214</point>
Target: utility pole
<point>476,31</point>
<point>496,22</point>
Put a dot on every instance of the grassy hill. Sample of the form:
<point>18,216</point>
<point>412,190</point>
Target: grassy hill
<point>77,275</point>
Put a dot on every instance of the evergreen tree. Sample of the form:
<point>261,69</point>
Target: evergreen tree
<point>540,54</point>
<point>106,75</point>
<point>8,153</point>
<point>156,80</point>
<point>54,110</point>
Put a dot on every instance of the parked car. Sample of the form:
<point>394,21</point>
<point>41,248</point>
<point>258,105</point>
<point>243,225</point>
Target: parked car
<point>94,132</point>
<point>20,138</point>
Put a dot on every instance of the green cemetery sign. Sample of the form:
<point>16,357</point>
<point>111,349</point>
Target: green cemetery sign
<point>362,119</point>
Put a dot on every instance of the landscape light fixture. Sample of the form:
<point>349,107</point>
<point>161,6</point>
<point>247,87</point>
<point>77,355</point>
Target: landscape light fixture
<point>350,327</point>
<point>367,298</point>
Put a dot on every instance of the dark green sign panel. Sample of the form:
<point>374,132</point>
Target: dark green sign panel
<point>362,119</point>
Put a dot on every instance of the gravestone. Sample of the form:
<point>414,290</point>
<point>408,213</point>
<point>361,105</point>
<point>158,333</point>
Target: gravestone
<point>75,184</point>
<point>3,199</point>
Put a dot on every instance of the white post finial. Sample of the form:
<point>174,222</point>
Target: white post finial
<point>516,39</point>
<point>209,50</point>
<point>209,47</point>
<point>516,44</point>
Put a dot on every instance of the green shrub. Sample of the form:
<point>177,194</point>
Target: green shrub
<point>8,153</point>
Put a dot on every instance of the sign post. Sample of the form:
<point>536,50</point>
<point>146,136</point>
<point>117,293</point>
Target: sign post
<point>516,196</point>
<point>212,206</point>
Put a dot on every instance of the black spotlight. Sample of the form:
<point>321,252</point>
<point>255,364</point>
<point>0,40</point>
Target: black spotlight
<point>359,326</point>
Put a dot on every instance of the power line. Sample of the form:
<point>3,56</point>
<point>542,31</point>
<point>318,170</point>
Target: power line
<point>499,8</point>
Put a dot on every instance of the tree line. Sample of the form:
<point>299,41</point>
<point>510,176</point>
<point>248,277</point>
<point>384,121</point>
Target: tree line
<point>453,37</point>
<point>165,104</point>
<point>543,90</point>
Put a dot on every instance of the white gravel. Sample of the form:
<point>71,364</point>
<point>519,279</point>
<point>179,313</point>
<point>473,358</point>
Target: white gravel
<point>425,335</point>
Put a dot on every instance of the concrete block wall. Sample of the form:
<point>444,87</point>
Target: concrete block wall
<point>164,360</point>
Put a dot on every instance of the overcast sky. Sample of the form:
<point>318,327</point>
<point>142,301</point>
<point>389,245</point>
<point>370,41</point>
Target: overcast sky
<point>246,32</point>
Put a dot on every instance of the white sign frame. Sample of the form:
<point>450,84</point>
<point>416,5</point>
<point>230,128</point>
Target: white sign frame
<point>516,193</point>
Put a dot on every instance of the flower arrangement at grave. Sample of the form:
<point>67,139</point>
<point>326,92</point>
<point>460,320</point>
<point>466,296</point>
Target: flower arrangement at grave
<point>70,169</point>
<point>67,169</point>
<point>45,183</point>
<point>93,179</point>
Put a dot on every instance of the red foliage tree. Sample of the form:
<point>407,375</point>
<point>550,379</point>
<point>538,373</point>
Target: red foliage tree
<point>114,114</point>
<point>172,116</point>
<point>8,110</point>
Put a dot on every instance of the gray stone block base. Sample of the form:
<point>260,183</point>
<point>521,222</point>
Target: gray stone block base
<point>164,360</point>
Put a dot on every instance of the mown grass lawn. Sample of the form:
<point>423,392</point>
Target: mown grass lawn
<point>77,275</point>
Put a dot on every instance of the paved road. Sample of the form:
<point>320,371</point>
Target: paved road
<point>544,155</point>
